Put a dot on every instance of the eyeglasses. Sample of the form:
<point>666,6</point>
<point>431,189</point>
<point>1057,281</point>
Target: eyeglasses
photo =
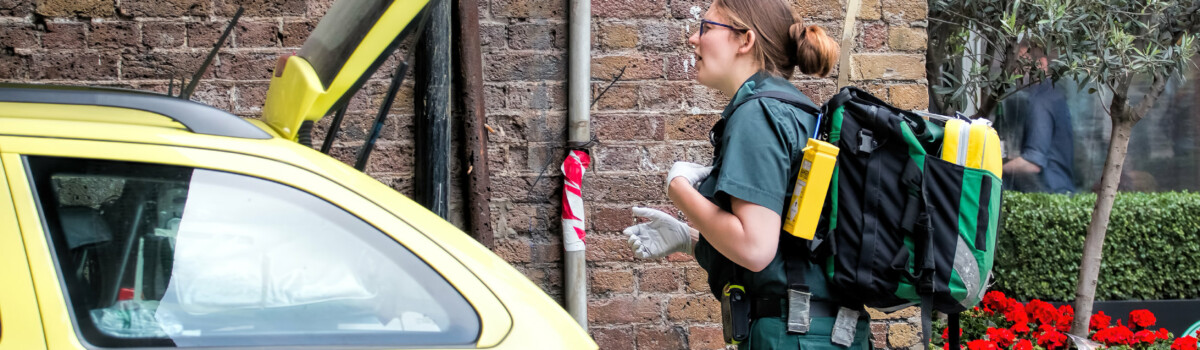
<point>705,21</point>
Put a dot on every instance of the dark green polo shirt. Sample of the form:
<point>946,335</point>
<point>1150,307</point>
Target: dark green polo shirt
<point>755,159</point>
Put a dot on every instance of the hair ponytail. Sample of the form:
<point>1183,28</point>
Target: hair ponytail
<point>784,42</point>
<point>816,53</point>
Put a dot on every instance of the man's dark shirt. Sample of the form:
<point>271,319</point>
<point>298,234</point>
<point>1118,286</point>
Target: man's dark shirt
<point>1049,138</point>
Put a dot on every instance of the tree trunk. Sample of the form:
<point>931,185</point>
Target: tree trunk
<point>1089,269</point>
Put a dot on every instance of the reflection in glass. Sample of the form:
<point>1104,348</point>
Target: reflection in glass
<point>158,255</point>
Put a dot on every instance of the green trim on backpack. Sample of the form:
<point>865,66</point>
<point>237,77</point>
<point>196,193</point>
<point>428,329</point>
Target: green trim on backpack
<point>968,228</point>
<point>906,289</point>
<point>835,134</point>
<point>915,150</point>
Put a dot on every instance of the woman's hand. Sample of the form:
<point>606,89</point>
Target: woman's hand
<point>659,237</point>
<point>691,172</point>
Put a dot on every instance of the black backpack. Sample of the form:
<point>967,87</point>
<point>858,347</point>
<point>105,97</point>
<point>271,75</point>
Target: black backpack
<point>900,226</point>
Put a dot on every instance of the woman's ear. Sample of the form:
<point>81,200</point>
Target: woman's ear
<point>748,41</point>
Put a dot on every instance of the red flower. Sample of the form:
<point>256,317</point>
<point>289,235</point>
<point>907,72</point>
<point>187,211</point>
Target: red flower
<point>1052,339</point>
<point>1146,336</point>
<point>1015,312</point>
<point>1099,321</point>
<point>1042,311</point>
<point>1163,334</point>
<point>1002,336</point>
<point>1184,343</point>
<point>1066,314</point>
<point>1021,328</point>
<point>1066,310</point>
<point>1115,336</point>
<point>995,301</point>
<point>1023,344</point>
<point>984,345</point>
<point>1045,328</point>
<point>1141,318</point>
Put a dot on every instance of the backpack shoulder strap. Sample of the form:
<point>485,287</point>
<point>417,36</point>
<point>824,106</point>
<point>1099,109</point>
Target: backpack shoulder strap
<point>782,97</point>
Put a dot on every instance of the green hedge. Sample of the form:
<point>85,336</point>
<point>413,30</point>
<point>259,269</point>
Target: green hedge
<point>1151,251</point>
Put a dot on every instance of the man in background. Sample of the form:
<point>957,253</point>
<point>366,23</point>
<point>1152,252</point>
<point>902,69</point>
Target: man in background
<point>1047,152</point>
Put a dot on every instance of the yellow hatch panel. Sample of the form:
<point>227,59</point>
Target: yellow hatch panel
<point>296,94</point>
<point>291,96</point>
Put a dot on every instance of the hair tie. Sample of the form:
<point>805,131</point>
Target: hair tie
<point>798,31</point>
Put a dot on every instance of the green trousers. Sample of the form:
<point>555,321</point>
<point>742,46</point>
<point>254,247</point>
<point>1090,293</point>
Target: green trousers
<point>771,333</point>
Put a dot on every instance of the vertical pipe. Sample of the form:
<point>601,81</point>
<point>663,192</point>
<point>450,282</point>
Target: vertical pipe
<point>580,74</point>
<point>578,135</point>
<point>847,42</point>
<point>475,151</point>
<point>433,110</point>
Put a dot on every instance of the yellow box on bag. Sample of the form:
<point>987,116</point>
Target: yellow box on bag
<point>808,197</point>
<point>972,144</point>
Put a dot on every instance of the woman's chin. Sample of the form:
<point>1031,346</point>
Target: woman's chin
<point>702,77</point>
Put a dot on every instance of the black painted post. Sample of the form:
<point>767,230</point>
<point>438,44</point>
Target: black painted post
<point>432,104</point>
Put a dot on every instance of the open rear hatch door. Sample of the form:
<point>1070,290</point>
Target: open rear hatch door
<point>353,39</point>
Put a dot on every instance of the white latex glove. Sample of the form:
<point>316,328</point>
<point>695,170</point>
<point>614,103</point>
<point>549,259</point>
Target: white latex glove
<point>661,236</point>
<point>692,172</point>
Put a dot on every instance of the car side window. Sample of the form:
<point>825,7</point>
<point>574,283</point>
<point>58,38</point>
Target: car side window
<point>157,255</point>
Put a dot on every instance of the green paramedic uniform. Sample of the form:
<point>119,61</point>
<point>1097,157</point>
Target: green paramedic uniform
<point>756,157</point>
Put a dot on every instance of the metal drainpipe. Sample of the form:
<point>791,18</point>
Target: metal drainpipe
<point>578,136</point>
<point>475,153</point>
<point>432,175</point>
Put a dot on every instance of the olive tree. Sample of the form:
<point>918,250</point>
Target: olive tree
<point>1114,43</point>
<point>973,55</point>
<point>1106,45</point>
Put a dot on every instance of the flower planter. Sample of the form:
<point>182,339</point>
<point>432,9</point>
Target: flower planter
<point>1179,316</point>
<point>1000,322</point>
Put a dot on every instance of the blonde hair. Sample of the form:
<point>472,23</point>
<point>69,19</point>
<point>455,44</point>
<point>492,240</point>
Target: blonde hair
<point>784,42</point>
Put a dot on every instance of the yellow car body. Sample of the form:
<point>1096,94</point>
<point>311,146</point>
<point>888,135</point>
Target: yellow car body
<point>36,312</point>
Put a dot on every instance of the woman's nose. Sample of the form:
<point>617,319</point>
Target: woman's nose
<point>694,39</point>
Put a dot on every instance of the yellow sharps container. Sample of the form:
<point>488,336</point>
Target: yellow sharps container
<point>811,185</point>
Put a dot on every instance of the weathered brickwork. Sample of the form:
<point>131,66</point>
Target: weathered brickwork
<point>652,116</point>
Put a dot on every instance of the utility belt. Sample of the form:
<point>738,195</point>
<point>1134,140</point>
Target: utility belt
<point>777,306</point>
<point>739,308</point>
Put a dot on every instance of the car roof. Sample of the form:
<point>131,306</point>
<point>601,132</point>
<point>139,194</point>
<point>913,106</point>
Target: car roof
<point>195,117</point>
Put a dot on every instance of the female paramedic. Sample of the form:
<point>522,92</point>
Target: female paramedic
<point>742,48</point>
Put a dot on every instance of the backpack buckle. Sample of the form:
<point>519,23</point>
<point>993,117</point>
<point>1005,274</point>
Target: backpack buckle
<point>866,141</point>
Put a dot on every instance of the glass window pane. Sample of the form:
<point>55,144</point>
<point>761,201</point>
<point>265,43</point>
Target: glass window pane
<point>156,255</point>
<point>339,33</point>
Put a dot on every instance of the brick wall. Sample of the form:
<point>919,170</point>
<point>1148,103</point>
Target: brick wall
<point>654,115</point>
